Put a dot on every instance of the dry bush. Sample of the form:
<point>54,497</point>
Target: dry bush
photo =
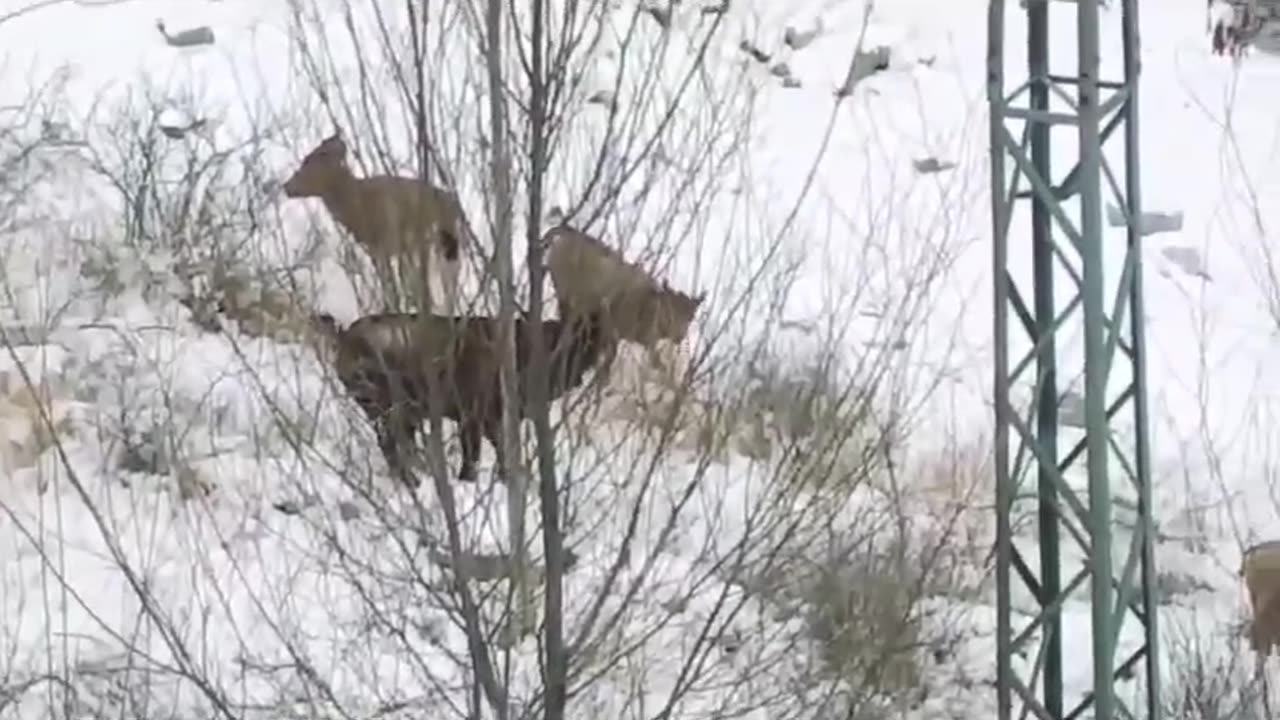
<point>1212,675</point>
<point>825,540</point>
<point>864,616</point>
<point>32,419</point>
<point>188,218</point>
<point>768,405</point>
<point>956,482</point>
<point>874,578</point>
<point>195,214</point>
<point>27,129</point>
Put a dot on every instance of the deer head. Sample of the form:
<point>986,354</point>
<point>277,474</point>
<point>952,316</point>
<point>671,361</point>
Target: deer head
<point>647,315</point>
<point>673,313</point>
<point>319,170</point>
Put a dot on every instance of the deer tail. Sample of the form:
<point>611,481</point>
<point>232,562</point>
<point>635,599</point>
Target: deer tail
<point>450,246</point>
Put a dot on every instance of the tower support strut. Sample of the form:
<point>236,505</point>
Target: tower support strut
<point>1060,286</point>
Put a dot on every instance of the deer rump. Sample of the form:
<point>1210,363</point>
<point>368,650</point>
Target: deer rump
<point>386,361</point>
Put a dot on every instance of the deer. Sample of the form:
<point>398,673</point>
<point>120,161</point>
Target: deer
<point>386,362</point>
<point>392,218</point>
<point>587,273</point>
<point>1260,568</point>
<point>1233,26</point>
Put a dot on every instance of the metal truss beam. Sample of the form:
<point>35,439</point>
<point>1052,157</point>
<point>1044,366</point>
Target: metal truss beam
<point>1070,248</point>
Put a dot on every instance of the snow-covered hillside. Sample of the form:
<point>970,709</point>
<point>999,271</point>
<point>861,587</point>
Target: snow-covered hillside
<point>214,531</point>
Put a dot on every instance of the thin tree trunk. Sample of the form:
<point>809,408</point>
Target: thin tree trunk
<point>512,469</point>
<point>555,666</point>
<point>485,677</point>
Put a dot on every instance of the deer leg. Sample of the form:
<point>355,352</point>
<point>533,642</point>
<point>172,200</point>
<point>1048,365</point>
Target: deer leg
<point>1266,685</point>
<point>379,407</point>
<point>422,280</point>
<point>607,358</point>
<point>604,371</point>
<point>493,431</point>
<point>395,437</point>
<point>449,270</point>
<point>469,437</point>
<point>386,282</point>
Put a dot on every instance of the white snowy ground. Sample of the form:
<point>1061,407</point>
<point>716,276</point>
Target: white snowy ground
<point>248,589</point>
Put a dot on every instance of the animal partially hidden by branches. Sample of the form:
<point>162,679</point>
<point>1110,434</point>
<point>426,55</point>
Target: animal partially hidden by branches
<point>1234,25</point>
<point>587,273</point>
<point>1261,571</point>
<point>393,218</point>
<point>383,361</point>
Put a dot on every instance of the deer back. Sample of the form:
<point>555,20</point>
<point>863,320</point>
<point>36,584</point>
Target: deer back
<point>395,216</point>
<point>409,343</point>
<point>586,272</point>
<point>589,275</point>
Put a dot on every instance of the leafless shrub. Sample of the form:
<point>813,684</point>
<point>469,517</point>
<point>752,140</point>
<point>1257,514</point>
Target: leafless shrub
<point>1212,674</point>
<point>27,127</point>
<point>194,213</point>
<point>744,541</point>
<point>819,429</point>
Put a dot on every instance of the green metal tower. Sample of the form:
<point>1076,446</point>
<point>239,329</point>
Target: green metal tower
<point>1117,577</point>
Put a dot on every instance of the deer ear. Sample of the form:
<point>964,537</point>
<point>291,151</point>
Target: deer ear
<point>697,299</point>
<point>334,144</point>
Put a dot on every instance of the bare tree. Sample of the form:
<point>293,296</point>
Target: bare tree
<point>556,660</point>
<point>504,210</point>
<point>747,525</point>
<point>633,131</point>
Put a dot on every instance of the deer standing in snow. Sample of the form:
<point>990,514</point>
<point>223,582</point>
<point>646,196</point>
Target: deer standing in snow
<point>588,274</point>
<point>1260,568</point>
<point>385,360</point>
<point>1233,25</point>
<point>395,219</point>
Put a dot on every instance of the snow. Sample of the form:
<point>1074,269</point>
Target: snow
<point>176,443</point>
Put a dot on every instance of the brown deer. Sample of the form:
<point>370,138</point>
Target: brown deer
<point>393,218</point>
<point>384,361</point>
<point>587,273</point>
<point>1260,568</point>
